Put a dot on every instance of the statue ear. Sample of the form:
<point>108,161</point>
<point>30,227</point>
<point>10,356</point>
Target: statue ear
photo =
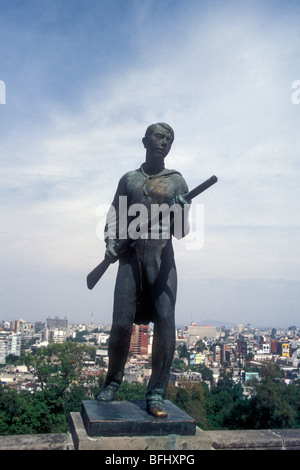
<point>145,140</point>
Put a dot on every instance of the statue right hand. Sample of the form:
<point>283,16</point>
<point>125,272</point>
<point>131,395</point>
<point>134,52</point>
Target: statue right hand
<point>111,253</point>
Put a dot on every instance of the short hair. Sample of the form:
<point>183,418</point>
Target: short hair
<point>151,129</point>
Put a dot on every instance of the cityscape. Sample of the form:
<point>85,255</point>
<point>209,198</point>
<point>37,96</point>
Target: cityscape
<point>240,350</point>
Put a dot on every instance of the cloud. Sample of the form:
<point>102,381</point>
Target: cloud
<point>220,76</point>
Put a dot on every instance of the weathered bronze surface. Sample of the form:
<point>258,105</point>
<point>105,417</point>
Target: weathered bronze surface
<point>146,283</point>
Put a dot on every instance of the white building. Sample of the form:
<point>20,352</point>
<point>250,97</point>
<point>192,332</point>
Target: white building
<point>58,336</point>
<point>23,327</point>
<point>3,348</point>
<point>196,333</point>
<point>10,343</point>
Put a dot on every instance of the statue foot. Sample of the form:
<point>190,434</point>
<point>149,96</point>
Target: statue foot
<point>109,392</point>
<point>157,408</point>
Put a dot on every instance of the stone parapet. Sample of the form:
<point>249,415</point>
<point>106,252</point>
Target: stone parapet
<point>37,442</point>
<point>78,439</point>
<point>283,439</point>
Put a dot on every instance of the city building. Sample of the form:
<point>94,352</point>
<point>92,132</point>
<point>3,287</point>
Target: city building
<point>217,353</point>
<point>195,333</point>
<point>3,348</point>
<point>56,322</point>
<point>139,340</point>
<point>23,327</point>
<point>225,353</point>
<point>58,335</point>
<point>10,343</point>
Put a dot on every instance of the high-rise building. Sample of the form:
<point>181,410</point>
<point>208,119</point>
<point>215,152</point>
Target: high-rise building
<point>284,349</point>
<point>10,343</point>
<point>15,344</point>
<point>217,354</point>
<point>195,333</point>
<point>58,336</point>
<point>57,322</point>
<point>139,340</point>
<point>23,327</point>
<point>3,348</point>
<point>225,353</point>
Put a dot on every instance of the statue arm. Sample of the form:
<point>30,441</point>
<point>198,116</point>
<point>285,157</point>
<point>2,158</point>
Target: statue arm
<point>181,211</point>
<point>111,230</point>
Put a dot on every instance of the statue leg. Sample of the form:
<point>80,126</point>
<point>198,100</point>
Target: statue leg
<point>162,356</point>
<point>120,335</point>
<point>163,346</point>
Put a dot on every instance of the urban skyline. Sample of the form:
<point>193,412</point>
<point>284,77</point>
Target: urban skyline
<point>93,323</point>
<point>84,81</point>
<point>227,343</point>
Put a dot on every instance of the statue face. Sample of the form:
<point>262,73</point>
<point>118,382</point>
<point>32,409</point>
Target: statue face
<point>159,143</point>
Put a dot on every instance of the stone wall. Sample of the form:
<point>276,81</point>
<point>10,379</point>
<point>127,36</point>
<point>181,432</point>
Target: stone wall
<point>77,439</point>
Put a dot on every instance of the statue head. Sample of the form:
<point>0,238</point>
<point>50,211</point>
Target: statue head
<point>158,141</point>
<point>152,128</point>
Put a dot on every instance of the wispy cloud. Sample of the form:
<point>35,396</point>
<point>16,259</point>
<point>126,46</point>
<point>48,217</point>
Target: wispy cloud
<point>221,76</point>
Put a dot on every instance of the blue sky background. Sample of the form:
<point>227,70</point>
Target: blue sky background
<point>84,78</point>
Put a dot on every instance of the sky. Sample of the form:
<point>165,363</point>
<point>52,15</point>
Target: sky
<point>81,80</point>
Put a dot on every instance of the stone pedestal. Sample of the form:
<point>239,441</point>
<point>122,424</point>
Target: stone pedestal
<point>130,418</point>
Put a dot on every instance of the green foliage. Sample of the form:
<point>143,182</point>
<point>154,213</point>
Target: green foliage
<point>131,391</point>
<point>272,405</point>
<point>57,369</point>
<point>179,364</point>
<point>57,365</point>
<point>192,398</point>
<point>200,346</point>
<point>26,414</point>
<point>206,372</point>
<point>80,337</point>
<point>182,351</point>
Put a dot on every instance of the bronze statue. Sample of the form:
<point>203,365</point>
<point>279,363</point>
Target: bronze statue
<point>146,283</point>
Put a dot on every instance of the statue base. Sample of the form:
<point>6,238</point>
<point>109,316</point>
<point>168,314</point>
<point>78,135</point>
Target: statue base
<point>130,418</point>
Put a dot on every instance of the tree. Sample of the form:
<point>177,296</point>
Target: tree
<point>200,345</point>
<point>225,396</point>
<point>57,370</point>
<point>270,372</point>
<point>178,364</point>
<point>131,391</point>
<point>207,373</point>
<point>57,365</point>
<point>273,405</point>
<point>182,398</point>
<point>182,351</point>
<point>22,413</point>
<point>191,397</point>
<point>12,359</point>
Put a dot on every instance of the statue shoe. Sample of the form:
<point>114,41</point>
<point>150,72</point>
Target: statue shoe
<point>109,392</point>
<point>157,408</point>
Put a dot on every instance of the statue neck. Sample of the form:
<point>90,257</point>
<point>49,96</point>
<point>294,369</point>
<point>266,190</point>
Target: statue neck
<point>153,167</point>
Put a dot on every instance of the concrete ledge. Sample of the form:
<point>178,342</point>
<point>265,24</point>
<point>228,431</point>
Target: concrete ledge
<point>283,439</point>
<point>276,439</point>
<point>82,441</point>
<point>37,442</point>
<point>78,439</point>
